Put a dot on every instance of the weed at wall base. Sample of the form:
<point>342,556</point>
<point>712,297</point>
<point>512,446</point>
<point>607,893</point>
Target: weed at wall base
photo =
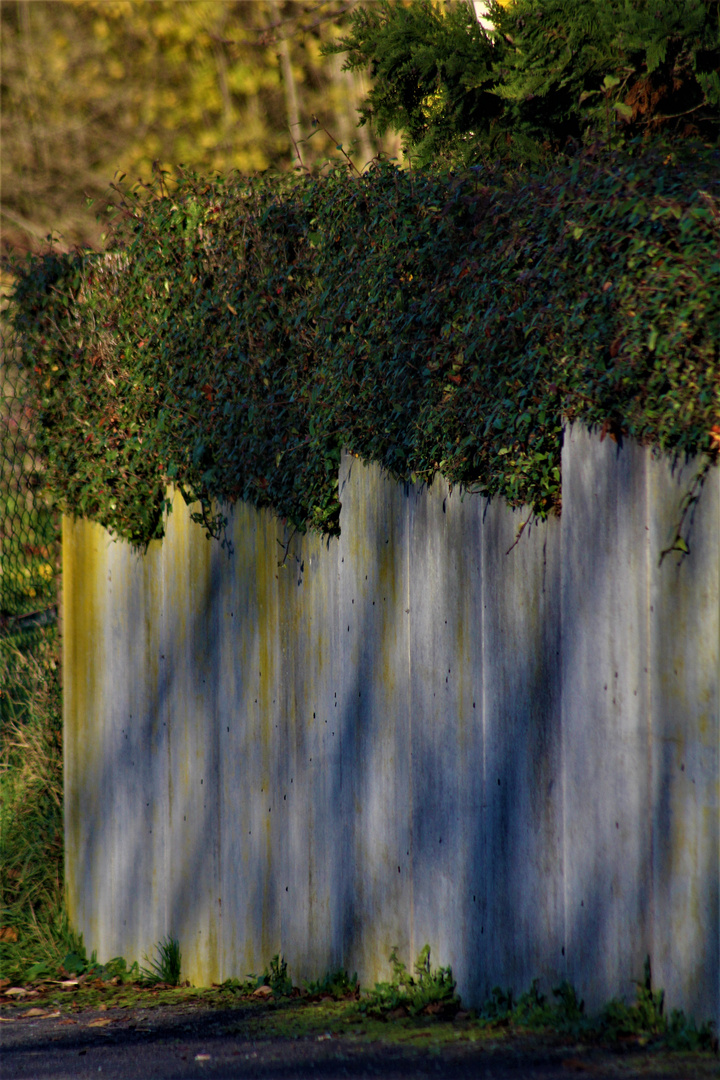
<point>426,992</point>
<point>166,967</point>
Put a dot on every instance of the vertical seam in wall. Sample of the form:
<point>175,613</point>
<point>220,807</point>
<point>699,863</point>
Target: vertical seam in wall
<point>165,554</point>
<point>647,479</point>
<point>717,761</point>
<point>565,452</point>
<point>101,604</point>
<point>69,748</point>
<point>217,764</point>
<point>64,657</point>
<point>411,813</point>
<point>485,912</point>
<point>163,720</point>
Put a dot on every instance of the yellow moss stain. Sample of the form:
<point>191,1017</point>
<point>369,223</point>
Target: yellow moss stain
<point>84,587</point>
<point>267,710</point>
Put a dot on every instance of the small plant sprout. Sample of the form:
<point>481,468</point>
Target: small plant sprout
<point>166,968</point>
<point>277,977</point>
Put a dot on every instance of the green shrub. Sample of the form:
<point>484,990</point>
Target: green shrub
<point>335,984</point>
<point>427,991</point>
<point>642,1019</point>
<point>645,1017</point>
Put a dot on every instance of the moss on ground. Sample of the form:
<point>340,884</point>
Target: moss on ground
<point>301,1018</point>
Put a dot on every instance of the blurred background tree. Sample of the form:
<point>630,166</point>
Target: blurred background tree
<point>94,87</point>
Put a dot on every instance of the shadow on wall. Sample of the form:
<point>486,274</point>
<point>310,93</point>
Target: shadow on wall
<point>406,736</point>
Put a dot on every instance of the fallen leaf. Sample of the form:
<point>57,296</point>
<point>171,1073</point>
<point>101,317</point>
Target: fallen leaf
<point>17,991</point>
<point>202,1057</point>
<point>263,992</point>
<point>7,1019</point>
<point>36,1012</point>
<point>100,1023</point>
<point>68,984</point>
<point>8,933</point>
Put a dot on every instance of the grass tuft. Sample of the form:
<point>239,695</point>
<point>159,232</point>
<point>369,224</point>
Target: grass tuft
<point>166,967</point>
<point>34,931</point>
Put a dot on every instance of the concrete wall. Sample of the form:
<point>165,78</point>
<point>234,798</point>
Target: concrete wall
<point>407,735</point>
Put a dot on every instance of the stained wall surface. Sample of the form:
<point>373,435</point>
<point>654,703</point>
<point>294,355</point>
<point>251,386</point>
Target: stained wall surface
<point>420,732</point>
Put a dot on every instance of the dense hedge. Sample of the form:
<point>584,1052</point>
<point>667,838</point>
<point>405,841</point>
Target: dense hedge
<point>245,331</point>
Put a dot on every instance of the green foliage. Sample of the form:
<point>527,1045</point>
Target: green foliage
<point>77,965</point>
<point>427,991</point>
<point>33,925</point>
<point>276,977</point>
<point>552,74</point>
<point>335,984</point>
<point>29,528</point>
<point>533,1009</point>
<point>245,331</point>
<point>613,70</point>
<point>642,1019</point>
<point>646,1018</point>
<point>432,74</point>
<point>166,966</point>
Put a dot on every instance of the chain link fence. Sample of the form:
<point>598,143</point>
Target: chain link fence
<point>32,913</point>
<point>29,527</point>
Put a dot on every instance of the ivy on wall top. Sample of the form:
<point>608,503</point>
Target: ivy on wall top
<point>244,330</point>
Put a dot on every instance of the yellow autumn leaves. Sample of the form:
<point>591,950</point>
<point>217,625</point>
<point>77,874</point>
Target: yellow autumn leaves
<point>92,88</point>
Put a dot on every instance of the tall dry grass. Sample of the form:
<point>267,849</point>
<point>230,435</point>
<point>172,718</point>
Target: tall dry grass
<point>34,934</point>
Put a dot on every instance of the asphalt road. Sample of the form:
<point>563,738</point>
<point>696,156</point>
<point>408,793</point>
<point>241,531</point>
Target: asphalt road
<point>178,1042</point>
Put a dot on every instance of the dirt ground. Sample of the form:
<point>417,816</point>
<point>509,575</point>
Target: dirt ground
<point>169,1036</point>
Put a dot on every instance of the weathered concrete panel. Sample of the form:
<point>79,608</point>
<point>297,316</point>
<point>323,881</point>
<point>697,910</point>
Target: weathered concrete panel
<point>191,660</point>
<point>605,715</point>
<point>523,845</point>
<point>250,682</point>
<point>311,728</point>
<point>88,856</point>
<point>684,620</point>
<point>116,747</point>
<point>445,717</point>
<point>372,674</point>
<point>135,739</point>
<point>408,735</point>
